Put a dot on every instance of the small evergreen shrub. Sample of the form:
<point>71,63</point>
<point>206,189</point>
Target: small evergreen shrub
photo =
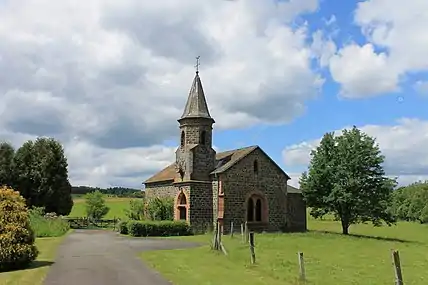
<point>17,249</point>
<point>158,228</point>
<point>123,227</point>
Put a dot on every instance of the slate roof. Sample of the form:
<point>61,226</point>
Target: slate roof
<point>291,189</point>
<point>224,161</point>
<point>196,106</point>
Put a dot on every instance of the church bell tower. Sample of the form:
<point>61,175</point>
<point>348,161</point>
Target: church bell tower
<point>195,157</point>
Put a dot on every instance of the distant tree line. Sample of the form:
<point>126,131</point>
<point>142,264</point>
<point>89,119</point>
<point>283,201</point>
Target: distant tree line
<point>112,191</point>
<point>410,203</point>
<point>39,171</point>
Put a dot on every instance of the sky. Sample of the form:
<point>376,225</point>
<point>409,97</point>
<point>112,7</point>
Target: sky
<point>109,79</point>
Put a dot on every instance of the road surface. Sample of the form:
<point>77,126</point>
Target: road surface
<point>100,257</point>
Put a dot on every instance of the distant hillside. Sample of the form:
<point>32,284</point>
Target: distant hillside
<point>113,191</point>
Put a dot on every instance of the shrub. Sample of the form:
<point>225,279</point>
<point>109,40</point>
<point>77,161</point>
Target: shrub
<point>48,225</point>
<point>136,210</point>
<point>158,228</point>
<point>123,227</point>
<point>96,207</point>
<point>160,209</point>
<point>17,249</point>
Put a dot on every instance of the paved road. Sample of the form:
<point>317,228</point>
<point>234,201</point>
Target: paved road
<point>97,257</point>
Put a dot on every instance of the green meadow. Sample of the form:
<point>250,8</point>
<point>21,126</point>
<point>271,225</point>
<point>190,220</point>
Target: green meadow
<point>117,207</point>
<point>364,257</point>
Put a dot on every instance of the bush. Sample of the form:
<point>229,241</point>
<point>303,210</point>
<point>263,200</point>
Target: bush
<point>96,207</point>
<point>158,228</point>
<point>123,227</point>
<point>160,209</point>
<point>48,225</point>
<point>17,249</point>
<point>136,210</point>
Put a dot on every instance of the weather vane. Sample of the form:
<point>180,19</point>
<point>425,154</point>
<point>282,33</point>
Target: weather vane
<point>197,64</point>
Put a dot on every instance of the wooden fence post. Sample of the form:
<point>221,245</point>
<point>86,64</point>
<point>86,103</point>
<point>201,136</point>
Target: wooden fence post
<point>242,233</point>
<point>302,273</point>
<point>397,268</point>
<point>253,254</point>
<point>231,229</point>
<point>215,238</point>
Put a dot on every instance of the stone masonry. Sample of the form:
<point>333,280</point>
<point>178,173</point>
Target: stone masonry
<point>242,185</point>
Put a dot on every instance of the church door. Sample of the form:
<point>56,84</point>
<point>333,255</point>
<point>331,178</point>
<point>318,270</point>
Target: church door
<point>183,213</point>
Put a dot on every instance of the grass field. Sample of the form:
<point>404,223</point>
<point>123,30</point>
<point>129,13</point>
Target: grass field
<point>330,258</point>
<point>35,274</point>
<point>117,207</point>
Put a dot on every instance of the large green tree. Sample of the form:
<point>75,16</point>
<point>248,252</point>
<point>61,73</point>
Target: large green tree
<point>346,178</point>
<point>6,159</point>
<point>41,169</point>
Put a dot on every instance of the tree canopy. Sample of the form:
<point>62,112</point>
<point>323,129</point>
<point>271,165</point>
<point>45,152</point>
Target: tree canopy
<point>95,206</point>
<point>39,171</point>
<point>410,203</point>
<point>346,178</point>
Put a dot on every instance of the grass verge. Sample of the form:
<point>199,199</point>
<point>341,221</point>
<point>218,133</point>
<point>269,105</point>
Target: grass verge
<point>330,258</point>
<point>36,273</point>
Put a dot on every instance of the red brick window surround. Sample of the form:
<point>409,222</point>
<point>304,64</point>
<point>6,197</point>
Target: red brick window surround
<point>181,206</point>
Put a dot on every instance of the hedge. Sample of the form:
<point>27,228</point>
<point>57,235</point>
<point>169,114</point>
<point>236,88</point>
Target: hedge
<point>123,227</point>
<point>158,228</point>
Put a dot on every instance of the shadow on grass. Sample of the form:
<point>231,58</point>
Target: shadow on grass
<point>358,236</point>
<point>39,263</point>
<point>33,265</point>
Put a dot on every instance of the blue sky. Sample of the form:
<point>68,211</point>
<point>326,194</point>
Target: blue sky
<point>109,80</point>
<point>329,111</point>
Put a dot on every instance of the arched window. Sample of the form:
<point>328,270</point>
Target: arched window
<point>258,210</point>
<point>182,207</point>
<point>250,210</point>
<point>183,138</point>
<point>202,138</point>
<point>256,167</point>
<point>182,200</point>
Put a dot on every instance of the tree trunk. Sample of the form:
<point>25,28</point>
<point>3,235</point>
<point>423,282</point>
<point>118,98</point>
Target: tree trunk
<point>345,226</point>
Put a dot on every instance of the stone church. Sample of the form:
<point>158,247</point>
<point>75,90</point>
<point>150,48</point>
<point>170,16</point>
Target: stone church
<point>240,185</point>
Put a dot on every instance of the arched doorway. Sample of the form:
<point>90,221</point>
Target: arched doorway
<point>250,210</point>
<point>256,208</point>
<point>181,207</point>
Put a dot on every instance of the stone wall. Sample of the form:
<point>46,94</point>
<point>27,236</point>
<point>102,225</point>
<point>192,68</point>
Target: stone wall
<point>297,216</point>
<point>161,190</point>
<point>203,162</point>
<point>193,128</point>
<point>241,180</point>
<point>200,214</point>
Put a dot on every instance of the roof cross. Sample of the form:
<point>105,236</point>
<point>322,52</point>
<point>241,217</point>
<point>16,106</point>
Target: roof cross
<point>197,64</point>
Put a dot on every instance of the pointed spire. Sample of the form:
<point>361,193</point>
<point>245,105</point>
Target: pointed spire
<point>196,106</point>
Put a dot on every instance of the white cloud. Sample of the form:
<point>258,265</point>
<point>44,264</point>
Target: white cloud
<point>421,87</point>
<point>401,47</point>
<point>362,72</point>
<point>403,144</point>
<point>110,78</point>
<point>322,48</point>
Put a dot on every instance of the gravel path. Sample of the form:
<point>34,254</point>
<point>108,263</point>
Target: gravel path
<point>98,257</point>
